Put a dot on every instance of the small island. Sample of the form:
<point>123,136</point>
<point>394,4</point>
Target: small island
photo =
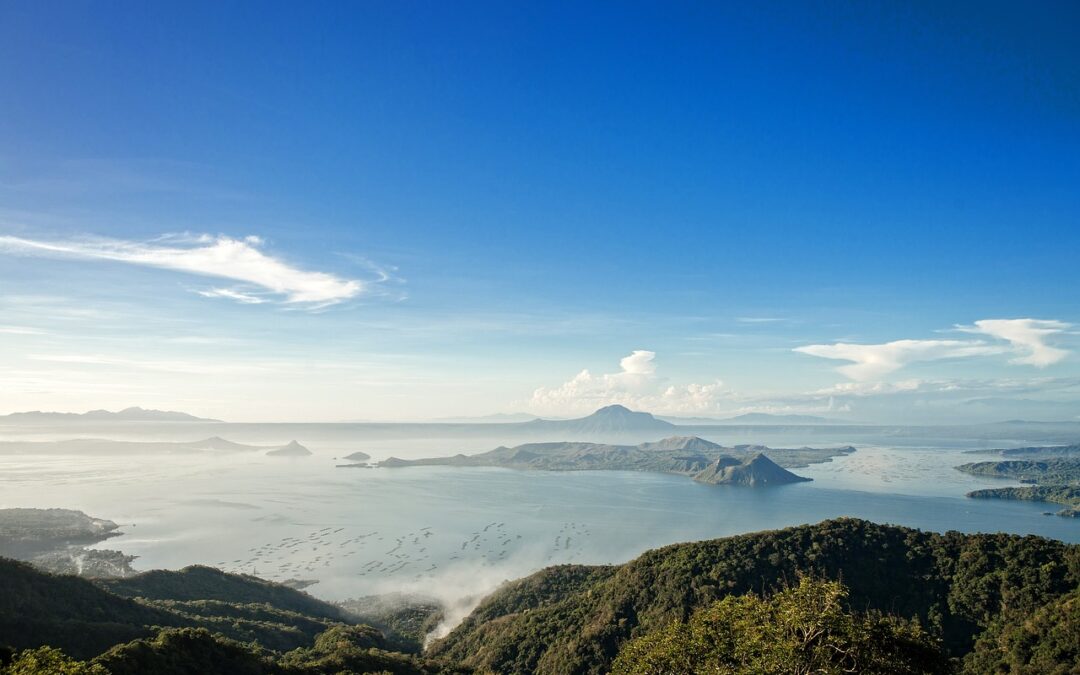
<point>702,460</point>
<point>357,460</point>
<point>292,449</point>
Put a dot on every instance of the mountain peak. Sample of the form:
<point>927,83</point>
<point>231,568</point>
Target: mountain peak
<point>616,409</point>
<point>621,412</point>
<point>612,419</point>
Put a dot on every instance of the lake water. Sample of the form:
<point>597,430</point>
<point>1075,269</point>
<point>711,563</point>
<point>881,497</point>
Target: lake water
<point>456,533</point>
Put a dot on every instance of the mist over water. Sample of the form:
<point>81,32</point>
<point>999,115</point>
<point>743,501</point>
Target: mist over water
<point>455,534</point>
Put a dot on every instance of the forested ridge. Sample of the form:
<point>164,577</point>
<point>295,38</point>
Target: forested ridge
<point>844,595</point>
<point>954,585</point>
<point>1052,479</point>
<point>1049,471</point>
<point>155,623</point>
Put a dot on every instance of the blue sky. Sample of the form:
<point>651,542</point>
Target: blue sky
<point>414,210</point>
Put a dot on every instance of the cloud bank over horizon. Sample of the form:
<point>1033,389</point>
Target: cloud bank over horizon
<point>635,385</point>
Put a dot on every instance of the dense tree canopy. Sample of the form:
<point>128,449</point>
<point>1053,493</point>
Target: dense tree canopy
<point>1045,642</point>
<point>801,630</point>
<point>954,585</point>
<point>49,661</point>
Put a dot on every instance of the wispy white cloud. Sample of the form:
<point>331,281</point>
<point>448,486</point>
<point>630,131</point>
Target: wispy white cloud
<point>636,385</point>
<point>877,360</point>
<point>232,294</point>
<point>867,388</point>
<point>20,330</point>
<point>759,319</point>
<point>74,178</point>
<point>184,366</point>
<point>1027,336</point>
<point>955,401</point>
<point>982,387</point>
<point>240,260</point>
<point>204,340</point>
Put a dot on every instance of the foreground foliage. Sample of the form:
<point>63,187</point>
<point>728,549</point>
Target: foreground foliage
<point>805,629</point>
<point>954,585</point>
<point>196,651</point>
<point>1046,642</point>
<point>842,594</point>
<point>49,661</point>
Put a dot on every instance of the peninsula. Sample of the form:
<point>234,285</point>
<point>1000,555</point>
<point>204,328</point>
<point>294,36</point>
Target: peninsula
<point>1053,479</point>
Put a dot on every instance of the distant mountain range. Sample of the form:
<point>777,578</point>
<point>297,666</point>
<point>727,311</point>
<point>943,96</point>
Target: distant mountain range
<point>1033,452</point>
<point>613,419</point>
<point>751,418</point>
<point>610,421</point>
<point>101,446</point>
<point>496,418</point>
<point>618,419</point>
<point>134,414</point>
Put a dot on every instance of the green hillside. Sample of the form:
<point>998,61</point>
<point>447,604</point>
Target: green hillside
<point>954,585</point>
<point>841,596</point>
<point>1051,471</point>
<point>199,582</point>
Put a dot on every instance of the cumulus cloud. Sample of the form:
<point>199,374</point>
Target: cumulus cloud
<point>1027,337</point>
<point>635,385</point>
<point>260,274</point>
<point>869,362</point>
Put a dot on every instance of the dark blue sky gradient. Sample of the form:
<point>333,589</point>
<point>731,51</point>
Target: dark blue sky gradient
<point>917,163</point>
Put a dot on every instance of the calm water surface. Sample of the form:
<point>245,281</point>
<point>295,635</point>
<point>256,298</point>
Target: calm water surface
<point>429,529</point>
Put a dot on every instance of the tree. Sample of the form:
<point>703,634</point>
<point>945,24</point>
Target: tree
<point>49,661</point>
<point>1047,642</point>
<point>801,630</point>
